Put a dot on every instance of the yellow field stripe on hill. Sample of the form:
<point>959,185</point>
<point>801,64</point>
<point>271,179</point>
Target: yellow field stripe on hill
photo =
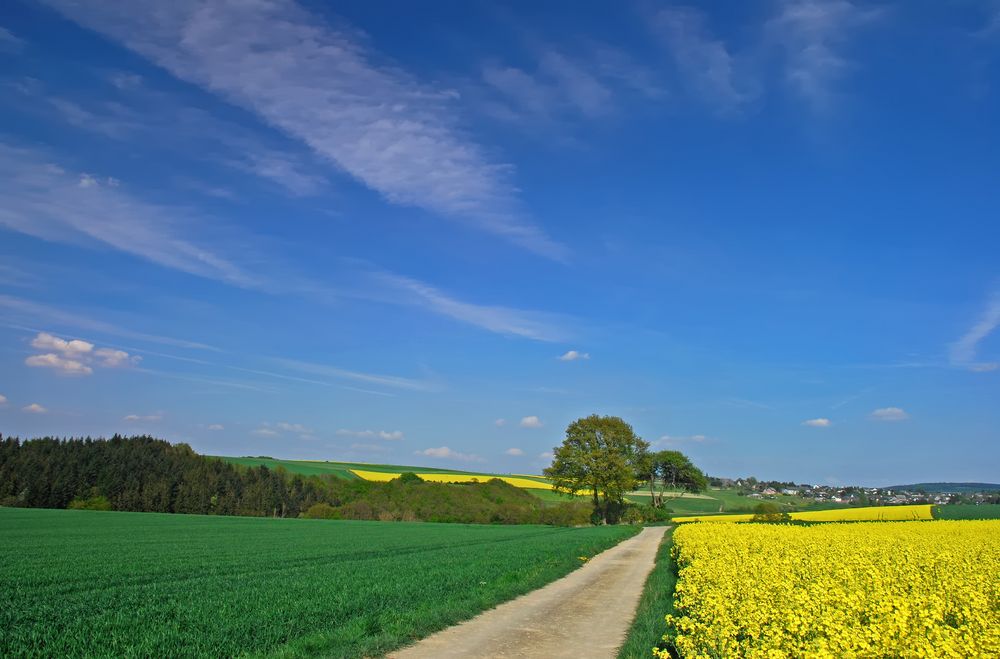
<point>870,514</point>
<point>453,478</point>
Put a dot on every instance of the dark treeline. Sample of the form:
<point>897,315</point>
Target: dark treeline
<point>145,474</point>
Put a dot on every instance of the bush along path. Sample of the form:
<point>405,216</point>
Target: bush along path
<point>585,614</point>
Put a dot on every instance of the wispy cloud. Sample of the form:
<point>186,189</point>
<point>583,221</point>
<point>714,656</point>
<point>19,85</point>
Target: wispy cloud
<point>821,422</point>
<point>703,61</point>
<point>500,423</point>
<point>963,351</point>
<point>3,400</point>
<point>812,34</point>
<point>27,309</point>
<point>680,440</point>
<point>44,200</point>
<point>34,408</point>
<point>9,41</point>
<point>890,414</point>
<point>514,451</point>
<point>387,435</point>
<point>573,355</point>
<point>143,418</point>
<point>323,85</point>
<point>535,325</point>
<point>448,454</point>
<point>394,381</point>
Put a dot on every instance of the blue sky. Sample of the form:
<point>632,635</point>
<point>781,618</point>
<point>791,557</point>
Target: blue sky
<point>764,233</point>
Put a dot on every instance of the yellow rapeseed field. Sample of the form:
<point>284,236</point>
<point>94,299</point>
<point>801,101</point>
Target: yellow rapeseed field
<point>868,514</point>
<point>452,478</point>
<point>885,589</point>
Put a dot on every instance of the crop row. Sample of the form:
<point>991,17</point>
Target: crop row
<point>80,583</point>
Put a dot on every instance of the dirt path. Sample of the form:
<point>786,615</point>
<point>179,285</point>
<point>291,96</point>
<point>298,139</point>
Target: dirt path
<point>585,614</point>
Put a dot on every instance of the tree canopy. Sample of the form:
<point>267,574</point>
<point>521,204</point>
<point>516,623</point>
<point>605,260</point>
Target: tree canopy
<point>601,456</point>
<point>673,471</point>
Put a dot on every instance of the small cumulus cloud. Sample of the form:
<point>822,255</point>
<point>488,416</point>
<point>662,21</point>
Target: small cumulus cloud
<point>3,399</point>
<point>531,422</point>
<point>546,455</point>
<point>817,423</point>
<point>514,451</point>
<point>500,423</point>
<point>448,454</point>
<point>890,414</point>
<point>34,408</point>
<point>136,418</point>
<point>75,356</point>
<point>387,435</point>
<point>573,355</point>
<point>265,432</point>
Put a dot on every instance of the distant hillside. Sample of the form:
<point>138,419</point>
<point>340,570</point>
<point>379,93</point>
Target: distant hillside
<point>948,488</point>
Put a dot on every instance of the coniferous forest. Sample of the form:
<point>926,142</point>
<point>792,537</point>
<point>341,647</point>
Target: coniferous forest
<point>145,474</point>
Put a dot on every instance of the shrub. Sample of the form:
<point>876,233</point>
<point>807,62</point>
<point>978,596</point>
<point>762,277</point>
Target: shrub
<point>769,513</point>
<point>320,511</point>
<point>408,477</point>
<point>94,502</point>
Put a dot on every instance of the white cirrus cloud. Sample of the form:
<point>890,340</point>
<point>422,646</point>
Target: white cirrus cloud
<point>44,200</point>
<point>818,423</point>
<point>573,355</point>
<point>812,34</point>
<point>537,325</point>
<point>889,414</point>
<point>448,454</point>
<point>388,435</point>
<point>514,451</point>
<point>264,431</point>
<point>704,62</point>
<point>34,408</point>
<point>321,84</point>
<point>963,351</point>
<point>531,422</point>
<point>500,423</point>
<point>216,426</point>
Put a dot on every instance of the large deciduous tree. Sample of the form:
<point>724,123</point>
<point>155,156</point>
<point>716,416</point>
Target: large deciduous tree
<point>601,456</point>
<point>673,471</point>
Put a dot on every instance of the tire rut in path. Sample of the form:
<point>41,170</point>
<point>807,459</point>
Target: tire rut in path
<point>587,613</point>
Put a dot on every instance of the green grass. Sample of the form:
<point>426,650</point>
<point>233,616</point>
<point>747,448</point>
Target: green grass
<point>967,511</point>
<point>657,601</point>
<point>80,583</point>
<point>729,501</point>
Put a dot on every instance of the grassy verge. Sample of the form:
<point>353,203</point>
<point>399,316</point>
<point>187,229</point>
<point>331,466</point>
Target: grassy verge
<point>657,601</point>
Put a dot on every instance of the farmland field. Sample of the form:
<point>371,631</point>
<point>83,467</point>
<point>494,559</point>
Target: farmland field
<point>881,589</point>
<point>80,583</point>
<point>967,511</point>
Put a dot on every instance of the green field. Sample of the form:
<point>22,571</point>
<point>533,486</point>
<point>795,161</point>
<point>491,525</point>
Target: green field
<point>730,501</point>
<point>342,469</point>
<point>81,583</point>
<point>967,511</point>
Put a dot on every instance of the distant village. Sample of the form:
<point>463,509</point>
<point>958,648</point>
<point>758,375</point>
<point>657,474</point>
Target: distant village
<point>859,496</point>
